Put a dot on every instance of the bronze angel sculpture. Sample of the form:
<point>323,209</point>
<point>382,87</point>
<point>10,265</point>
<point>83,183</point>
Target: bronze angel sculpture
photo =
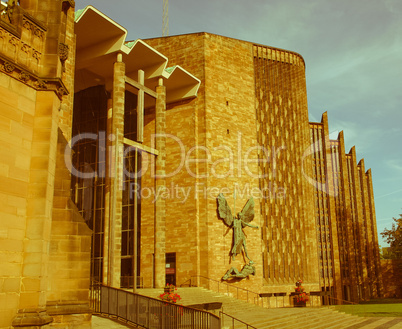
<point>238,222</point>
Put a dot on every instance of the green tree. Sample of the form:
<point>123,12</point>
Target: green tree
<point>394,237</point>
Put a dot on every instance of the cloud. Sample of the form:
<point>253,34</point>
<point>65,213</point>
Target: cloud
<point>352,50</point>
<point>390,193</point>
<point>355,134</point>
<point>394,164</point>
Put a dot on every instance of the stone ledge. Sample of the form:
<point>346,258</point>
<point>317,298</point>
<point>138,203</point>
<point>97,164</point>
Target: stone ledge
<point>55,309</point>
<point>25,76</point>
<point>11,28</point>
<point>28,318</point>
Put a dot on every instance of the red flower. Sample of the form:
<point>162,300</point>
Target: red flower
<point>303,297</point>
<point>172,298</point>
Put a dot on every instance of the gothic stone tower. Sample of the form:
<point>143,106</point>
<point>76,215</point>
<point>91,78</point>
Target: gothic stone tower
<point>45,244</point>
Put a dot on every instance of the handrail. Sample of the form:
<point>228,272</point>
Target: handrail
<point>148,312</point>
<point>128,281</point>
<point>229,286</point>
<point>257,297</point>
<point>221,313</point>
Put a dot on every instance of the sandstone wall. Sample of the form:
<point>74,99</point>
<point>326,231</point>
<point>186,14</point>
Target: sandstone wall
<point>185,215</point>
<point>17,110</point>
<point>34,103</point>
<point>226,130</point>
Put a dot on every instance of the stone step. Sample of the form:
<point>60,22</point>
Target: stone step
<point>334,321</point>
<point>264,318</point>
<point>340,323</point>
<point>300,320</point>
<point>378,323</point>
<point>300,315</point>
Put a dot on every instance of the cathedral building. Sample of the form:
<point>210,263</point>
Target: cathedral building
<point>113,154</point>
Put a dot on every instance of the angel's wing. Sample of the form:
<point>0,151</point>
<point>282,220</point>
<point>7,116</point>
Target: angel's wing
<point>224,211</point>
<point>247,214</point>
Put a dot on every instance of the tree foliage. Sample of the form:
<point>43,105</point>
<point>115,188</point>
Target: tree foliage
<point>394,237</point>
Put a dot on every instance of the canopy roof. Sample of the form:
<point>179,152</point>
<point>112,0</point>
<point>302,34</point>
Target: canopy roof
<point>100,39</point>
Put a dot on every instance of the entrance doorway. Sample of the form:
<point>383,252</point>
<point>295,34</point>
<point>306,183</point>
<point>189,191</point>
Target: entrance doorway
<point>171,268</point>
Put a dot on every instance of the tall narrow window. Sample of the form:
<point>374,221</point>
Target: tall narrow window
<point>131,206</point>
<point>88,182</point>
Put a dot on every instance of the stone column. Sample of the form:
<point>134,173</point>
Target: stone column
<point>160,215</point>
<point>34,278</point>
<point>360,261</point>
<point>336,266</point>
<point>116,173</point>
<point>108,189</point>
<point>140,108</point>
<point>352,280</point>
<point>373,222</point>
<point>366,238</point>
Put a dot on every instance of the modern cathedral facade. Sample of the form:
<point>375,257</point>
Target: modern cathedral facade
<point>113,154</point>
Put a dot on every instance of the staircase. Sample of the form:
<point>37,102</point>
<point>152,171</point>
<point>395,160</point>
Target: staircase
<point>262,318</point>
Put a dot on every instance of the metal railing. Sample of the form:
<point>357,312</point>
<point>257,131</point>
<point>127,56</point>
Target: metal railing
<point>223,287</point>
<point>263,300</point>
<point>230,322</point>
<point>148,312</point>
<point>128,282</point>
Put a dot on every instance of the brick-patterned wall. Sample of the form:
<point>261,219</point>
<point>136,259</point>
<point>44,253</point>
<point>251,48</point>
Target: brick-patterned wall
<point>66,109</point>
<point>231,133</point>
<point>70,244</point>
<point>32,84</point>
<point>185,129</point>
<point>17,110</point>
<point>70,247</point>
<point>222,122</point>
<point>391,271</point>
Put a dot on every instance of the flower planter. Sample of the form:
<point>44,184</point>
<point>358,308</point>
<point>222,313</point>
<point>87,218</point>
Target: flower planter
<point>168,290</point>
<point>299,304</point>
<point>300,297</point>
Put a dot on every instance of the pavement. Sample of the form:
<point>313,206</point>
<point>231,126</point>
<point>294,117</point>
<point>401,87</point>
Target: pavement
<point>101,322</point>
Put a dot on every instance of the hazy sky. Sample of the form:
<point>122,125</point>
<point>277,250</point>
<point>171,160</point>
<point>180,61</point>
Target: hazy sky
<point>353,55</point>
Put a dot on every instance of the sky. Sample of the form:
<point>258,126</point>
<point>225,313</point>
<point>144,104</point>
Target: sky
<point>353,55</point>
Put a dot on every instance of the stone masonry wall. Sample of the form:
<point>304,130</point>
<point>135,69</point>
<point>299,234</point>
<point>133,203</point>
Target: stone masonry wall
<point>226,140</point>
<point>17,110</point>
<point>33,82</point>
<point>185,215</point>
<point>232,141</point>
<point>69,252</point>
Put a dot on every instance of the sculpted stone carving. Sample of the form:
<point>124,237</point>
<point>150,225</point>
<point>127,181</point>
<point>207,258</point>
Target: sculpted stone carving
<point>67,4</point>
<point>63,54</point>
<point>24,76</point>
<point>7,13</point>
<point>40,84</point>
<point>8,67</point>
<point>37,55</point>
<point>62,91</point>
